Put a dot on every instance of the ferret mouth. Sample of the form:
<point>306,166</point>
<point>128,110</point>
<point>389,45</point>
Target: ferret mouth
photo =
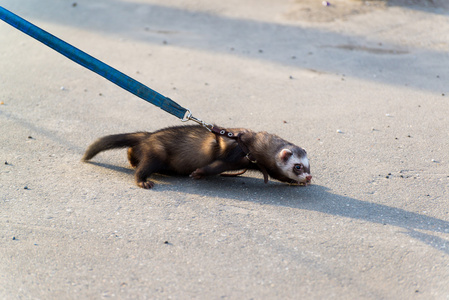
<point>301,183</point>
<point>306,181</point>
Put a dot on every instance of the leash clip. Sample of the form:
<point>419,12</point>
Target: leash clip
<point>188,117</point>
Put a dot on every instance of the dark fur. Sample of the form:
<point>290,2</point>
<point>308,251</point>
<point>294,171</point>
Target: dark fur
<point>194,151</point>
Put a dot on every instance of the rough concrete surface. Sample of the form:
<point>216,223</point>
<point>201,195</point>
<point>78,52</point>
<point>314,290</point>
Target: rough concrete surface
<point>362,85</point>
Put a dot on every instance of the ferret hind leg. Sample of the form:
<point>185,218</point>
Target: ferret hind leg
<point>132,158</point>
<point>144,170</point>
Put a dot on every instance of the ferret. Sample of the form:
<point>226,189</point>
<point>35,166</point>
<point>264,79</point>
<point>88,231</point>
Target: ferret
<point>196,151</point>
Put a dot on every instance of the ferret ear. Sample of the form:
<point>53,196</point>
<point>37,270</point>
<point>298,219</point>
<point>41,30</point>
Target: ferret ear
<point>285,154</point>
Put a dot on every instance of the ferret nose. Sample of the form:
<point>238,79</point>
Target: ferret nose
<point>309,178</point>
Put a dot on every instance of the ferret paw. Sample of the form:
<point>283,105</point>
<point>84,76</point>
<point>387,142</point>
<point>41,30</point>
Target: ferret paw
<point>146,184</point>
<point>197,174</point>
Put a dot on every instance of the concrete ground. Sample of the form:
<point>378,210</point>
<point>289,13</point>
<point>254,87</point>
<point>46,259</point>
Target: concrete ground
<point>362,85</point>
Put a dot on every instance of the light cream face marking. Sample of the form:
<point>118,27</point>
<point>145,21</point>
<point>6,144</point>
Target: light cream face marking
<point>287,167</point>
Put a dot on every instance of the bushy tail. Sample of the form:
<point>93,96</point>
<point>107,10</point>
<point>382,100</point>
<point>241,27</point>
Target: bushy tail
<point>114,141</point>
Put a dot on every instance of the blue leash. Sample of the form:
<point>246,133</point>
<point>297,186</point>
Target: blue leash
<point>99,67</point>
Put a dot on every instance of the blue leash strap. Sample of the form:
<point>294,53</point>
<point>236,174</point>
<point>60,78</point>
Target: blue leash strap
<point>95,65</point>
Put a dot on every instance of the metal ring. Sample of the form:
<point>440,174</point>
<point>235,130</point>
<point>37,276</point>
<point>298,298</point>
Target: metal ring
<point>187,115</point>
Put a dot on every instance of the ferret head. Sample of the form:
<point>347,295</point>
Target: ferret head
<point>290,162</point>
<point>294,164</point>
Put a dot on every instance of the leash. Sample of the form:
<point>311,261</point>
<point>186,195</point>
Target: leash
<point>117,77</point>
<point>102,69</point>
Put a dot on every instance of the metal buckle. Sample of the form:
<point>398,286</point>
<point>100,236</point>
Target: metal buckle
<point>188,117</point>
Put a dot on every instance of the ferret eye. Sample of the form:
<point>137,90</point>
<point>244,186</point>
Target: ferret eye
<point>298,167</point>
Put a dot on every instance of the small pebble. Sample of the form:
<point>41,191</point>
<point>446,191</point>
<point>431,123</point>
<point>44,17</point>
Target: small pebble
<point>26,187</point>
<point>339,131</point>
<point>387,115</point>
<point>291,77</point>
<point>13,238</point>
<point>30,137</point>
<point>2,103</point>
<point>325,3</point>
<point>74,4</point>
<point>6,163</point>
<point>433,160</point>
<point>62,88</point>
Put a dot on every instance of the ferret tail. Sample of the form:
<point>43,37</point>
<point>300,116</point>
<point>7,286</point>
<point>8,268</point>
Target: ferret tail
<point>112,142</point>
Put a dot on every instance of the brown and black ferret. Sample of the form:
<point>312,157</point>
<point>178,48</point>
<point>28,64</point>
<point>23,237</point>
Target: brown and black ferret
<point>195,151</point>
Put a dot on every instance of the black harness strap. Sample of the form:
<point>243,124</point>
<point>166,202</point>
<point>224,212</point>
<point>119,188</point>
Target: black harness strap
<point>227,134</point>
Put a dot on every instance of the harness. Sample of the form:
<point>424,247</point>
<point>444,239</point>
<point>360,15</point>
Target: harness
<point>224,133</point>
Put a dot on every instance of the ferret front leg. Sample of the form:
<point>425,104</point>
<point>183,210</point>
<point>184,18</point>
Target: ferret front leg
<point>218,167</point>
<point>144,170</point>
